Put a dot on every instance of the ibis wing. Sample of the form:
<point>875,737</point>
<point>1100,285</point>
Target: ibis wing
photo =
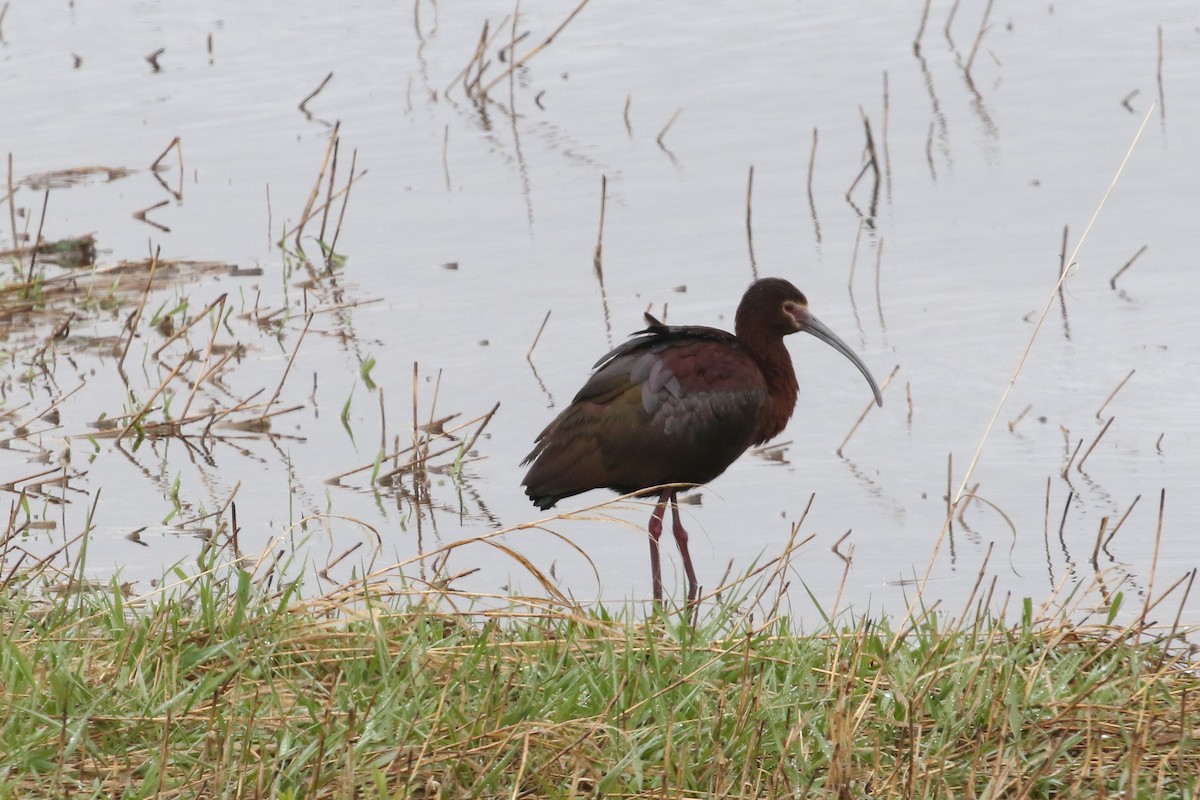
<point>673,405</point>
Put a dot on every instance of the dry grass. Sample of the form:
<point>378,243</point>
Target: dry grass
<point>233,685</point>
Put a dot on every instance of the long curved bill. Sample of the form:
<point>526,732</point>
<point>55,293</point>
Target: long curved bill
<point>817,328</point>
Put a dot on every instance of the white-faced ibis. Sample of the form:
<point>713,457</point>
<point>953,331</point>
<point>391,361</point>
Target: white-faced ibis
<point>677,405</point>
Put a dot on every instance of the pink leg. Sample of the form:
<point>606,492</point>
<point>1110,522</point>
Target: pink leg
<point>681,539</point>
<point>656,520</point>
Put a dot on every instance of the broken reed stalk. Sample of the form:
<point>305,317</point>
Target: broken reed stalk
<point>1113,393</point>
<point>878,277</point>
<point>212,340</point>
<point>183,329</point>
<point>57,402</point>
<point>1112,282</point>
<point>542,327</point>
<point>1071,460</point>
<point>477,56</point>
<point>1095,442</point>
<point>485,42</point>
<point>145,409</point>
<point>596,257</point>
<point>883,386</point>
<point>399,452</point>
<point>12,206</point>
<point>308,318</point>
<point>329,193</point>
<point>137,314</point>
<point>749,227</point>
<point>520,62</point>
<point>921,28</point>
<point>667,127</point>
<point>446,155</point>
<point>625,114</point>
<point>177,145</point>
<point>337,232</point>
<point>512,51</point>
<point>316,189</point>
<point>983,28</point>
<point>304,103</point>
<point>339,193</point>
<point>854,257</point>
<point>1162,100</point>
<point>950,22</point>
<point>37,241</point>
<point>1162,503</point>
<point>1099,543</point>
<point>812,204</point>
<point>1121,521</point>
<point>978,454</point>
<point>1012,424</point>
<point>872,163</point>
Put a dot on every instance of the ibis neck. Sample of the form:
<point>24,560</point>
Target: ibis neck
<point>776,366</point>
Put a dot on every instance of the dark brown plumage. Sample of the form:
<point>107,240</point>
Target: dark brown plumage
<point>679,404</point>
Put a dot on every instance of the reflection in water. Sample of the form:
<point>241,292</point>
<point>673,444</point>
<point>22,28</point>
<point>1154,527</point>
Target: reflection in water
<point>939,119</point>
<point>522,168</point>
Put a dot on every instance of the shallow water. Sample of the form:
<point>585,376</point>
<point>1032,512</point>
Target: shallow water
<point>980,174</point>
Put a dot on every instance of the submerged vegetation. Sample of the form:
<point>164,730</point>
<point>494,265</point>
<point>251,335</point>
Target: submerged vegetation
<point>230,684</point>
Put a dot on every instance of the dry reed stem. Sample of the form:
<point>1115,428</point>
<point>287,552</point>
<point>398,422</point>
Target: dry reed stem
<point>1071,460</point>
<point>187,326</point>
<point>1012,424</point>
<point>882,387</point>
<point>292,360</point>
<point>537,337</point>
<point>337,146</point>
<point>177,145</point>
<point>145,409</point>
<point>1121,521</point>
<point>316,189</point>
<point>57,402</point>
<point>1162,504</point>
<point>749,227</point>
<point>950,21</point>
<point>812,204</point>
<point>12,195</point>
<point>1095,442</point>
<point>1112,282</point>
<point>304,103</point>
<point>137,314</point>
<point>1162,100</point>
<point>921,28</point>
<point>546,43</point>
<point>667,127</point>
<point>422,453</point>
<point>596,257</point>
<point>37,241</point>
<point>212,340</point>
<point>983,28</point>
<point>1114,394</point>
<point>337,232</point>
<point>1025,353</point>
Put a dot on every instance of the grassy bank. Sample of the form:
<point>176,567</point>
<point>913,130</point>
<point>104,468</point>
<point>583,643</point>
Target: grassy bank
<point>222,686</point>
